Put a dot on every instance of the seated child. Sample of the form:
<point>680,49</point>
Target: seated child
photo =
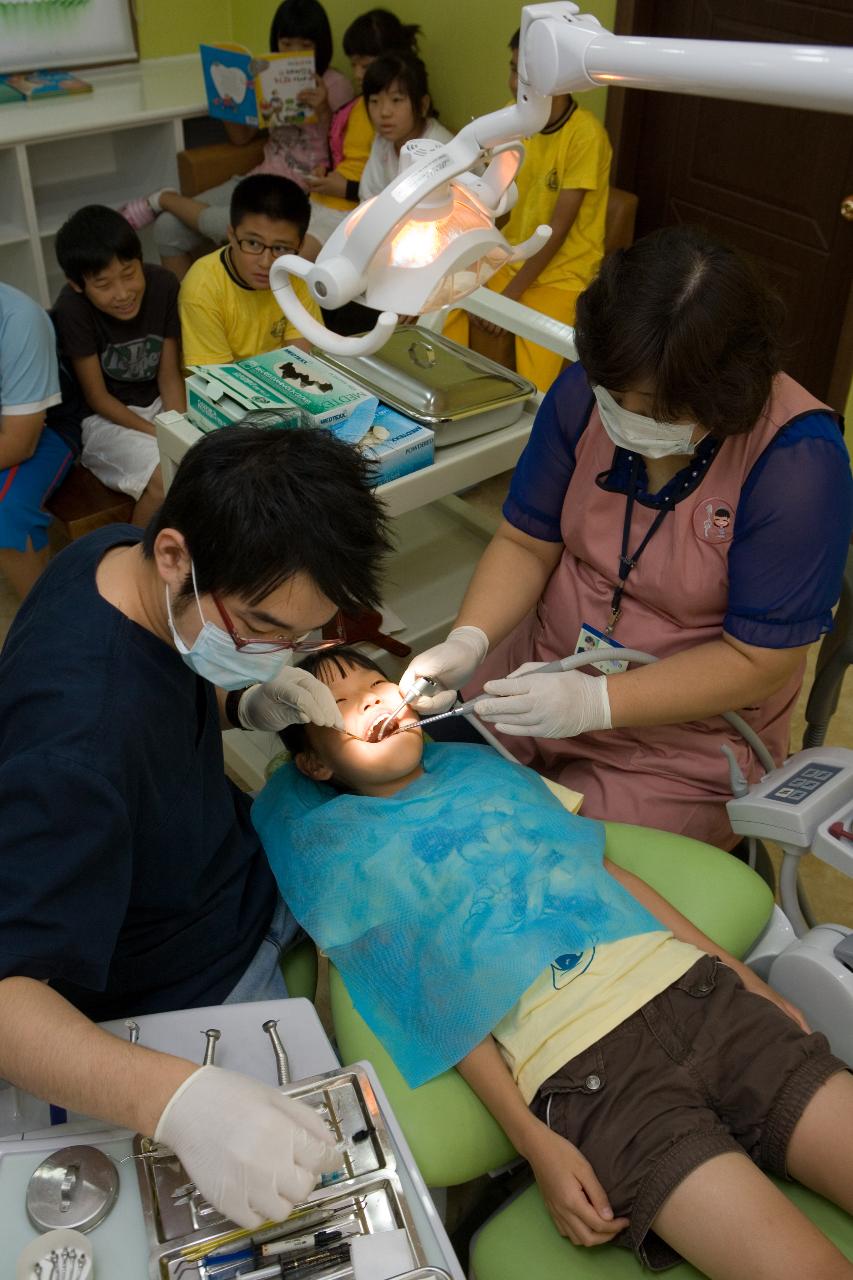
<point>396,91</point>
<point>564,182</point>
<point>117,321</point>
<point>335,194</point>
<point>295,151</point>
<point>228,311</point>
<point>647,1076</point>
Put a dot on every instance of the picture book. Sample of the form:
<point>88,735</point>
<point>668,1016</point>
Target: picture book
<point>43,84</point>
<point>263,91</point>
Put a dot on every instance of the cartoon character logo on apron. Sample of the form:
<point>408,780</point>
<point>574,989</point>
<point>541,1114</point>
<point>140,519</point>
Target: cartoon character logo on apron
<point>714,520</point>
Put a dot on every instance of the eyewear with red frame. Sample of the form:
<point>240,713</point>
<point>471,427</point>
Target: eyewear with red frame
<point>298,645</point>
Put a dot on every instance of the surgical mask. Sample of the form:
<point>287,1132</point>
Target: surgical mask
<point>216,658</point>
<point>639,434</point>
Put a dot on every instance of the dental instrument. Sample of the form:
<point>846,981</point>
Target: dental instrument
<point>429,238</point>
<point>421,686</point>
<point>132,1031</point>
<point>282,1065</point>
<point>212,1035</point>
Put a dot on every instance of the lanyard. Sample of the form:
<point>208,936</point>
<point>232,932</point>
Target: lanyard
<point>626,561</point>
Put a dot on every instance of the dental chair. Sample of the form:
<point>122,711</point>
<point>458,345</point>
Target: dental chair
<point>454,1138</point>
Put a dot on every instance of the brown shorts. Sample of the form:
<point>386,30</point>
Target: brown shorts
<point>704,1068</point>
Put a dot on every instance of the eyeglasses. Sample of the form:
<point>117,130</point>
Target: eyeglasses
<point>257,247</point>
<point>298,645</point>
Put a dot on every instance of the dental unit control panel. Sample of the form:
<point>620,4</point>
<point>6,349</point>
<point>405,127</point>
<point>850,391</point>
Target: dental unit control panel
<point>789,804</point>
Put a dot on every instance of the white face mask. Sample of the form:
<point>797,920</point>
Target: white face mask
<point>214,656</point>
<point>639,434</point>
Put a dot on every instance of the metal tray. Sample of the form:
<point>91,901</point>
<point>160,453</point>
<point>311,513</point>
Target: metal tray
<point>366,1189</point>
<point>439,383</point>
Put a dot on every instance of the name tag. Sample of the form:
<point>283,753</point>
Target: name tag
<point>590,638</point>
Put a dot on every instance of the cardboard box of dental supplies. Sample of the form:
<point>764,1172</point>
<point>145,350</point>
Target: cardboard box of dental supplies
<point>218,395</point>
<point>397,445</point>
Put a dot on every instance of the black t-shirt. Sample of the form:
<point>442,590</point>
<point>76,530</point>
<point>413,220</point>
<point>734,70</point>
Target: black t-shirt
<point>130,873</point>
<point>129,350</point>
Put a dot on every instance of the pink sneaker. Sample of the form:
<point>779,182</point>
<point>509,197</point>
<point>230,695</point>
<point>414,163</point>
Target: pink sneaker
<point>138,213</point>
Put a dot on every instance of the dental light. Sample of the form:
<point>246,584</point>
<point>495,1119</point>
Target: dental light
<point>429,239</point>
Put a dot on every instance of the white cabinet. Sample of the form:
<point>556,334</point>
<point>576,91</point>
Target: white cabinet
<point>104,147</point>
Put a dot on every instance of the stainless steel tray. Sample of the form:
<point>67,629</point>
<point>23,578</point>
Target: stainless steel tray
<point>438,383</point>
<point>365,1192</point>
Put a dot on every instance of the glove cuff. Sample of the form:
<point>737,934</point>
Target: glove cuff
<point>244,715</point>
<point>475,638</point>
<point>603,720</point>
<point>161,1132</point>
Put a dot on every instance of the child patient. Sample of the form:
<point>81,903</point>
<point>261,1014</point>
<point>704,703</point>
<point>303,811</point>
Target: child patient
<point>647,1076</point>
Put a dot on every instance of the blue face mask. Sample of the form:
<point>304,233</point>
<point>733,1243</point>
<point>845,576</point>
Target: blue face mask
<point>214,656</point>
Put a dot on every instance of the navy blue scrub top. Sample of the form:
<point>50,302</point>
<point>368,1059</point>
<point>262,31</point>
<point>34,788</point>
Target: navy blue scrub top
<point>130,874</point>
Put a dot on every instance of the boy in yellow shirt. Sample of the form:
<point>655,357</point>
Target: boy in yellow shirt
<point>228,311</point>
<point>645,1073</point>
<point>563,182</point>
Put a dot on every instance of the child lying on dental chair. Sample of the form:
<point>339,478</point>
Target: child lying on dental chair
<point>647,1076</point>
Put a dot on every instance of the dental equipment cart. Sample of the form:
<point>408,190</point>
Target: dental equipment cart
<point>158,1228</point>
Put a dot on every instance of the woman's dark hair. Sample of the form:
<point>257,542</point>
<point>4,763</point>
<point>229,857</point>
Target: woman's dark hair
<point>340,661</point>
<point>304,20</point>
<point>690,316</point>
<point>258,504</point>
<point>377,31</point>
<point>91,238</point>
<point>401,68</point>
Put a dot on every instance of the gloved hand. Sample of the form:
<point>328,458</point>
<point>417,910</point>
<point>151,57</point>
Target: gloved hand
<point>561,704</point>
<point>293,697</point>
<point>451,664</point>
<point>252,1152</point>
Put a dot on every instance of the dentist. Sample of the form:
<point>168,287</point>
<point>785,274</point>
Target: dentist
<point>678,495</point>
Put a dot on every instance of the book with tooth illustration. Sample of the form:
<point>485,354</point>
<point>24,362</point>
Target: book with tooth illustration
<point>261,91</point>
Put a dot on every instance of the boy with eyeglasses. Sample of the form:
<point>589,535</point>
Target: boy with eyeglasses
<point>228,311</point>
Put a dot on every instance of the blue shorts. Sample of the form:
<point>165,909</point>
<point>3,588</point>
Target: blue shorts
<point>263,979</point>
<point>25,488</point>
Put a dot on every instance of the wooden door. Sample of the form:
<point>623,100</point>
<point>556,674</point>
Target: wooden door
<point>769,180</point>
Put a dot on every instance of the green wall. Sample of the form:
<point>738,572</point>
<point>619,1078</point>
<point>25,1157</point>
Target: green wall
<point>464,42</point>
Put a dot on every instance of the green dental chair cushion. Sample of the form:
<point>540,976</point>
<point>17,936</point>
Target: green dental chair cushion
<point>521,1240</point>
<point>452,1135</point>
<point>299,969</point>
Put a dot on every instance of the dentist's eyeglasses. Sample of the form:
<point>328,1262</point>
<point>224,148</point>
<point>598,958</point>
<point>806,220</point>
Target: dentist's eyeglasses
<point>299,644</point>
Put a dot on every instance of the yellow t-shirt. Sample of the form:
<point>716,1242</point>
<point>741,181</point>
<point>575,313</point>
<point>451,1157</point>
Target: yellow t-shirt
<point>358,139</point>
<point>580,998</point>
<point>223,319</point>
<point>575,157</point>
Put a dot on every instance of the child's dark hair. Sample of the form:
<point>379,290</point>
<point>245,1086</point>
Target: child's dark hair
<point>378,31</point>
<point>690,316</point>
<point>340,661</point>
<point>257,505</point>
<point>274,197</point>
<point>515,39</point>
<point>91,238</point>
<point>404,69</point>
<point>304,20</point>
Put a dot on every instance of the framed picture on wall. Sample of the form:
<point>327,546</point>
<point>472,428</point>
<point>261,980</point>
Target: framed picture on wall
<point>40,34</point>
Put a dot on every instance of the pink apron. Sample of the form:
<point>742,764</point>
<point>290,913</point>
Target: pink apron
<point>671,776</point>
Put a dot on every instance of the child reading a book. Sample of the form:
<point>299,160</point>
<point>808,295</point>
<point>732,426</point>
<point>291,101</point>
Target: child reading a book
<point>117,322</point>
<point>228,311</point>
<point>647,1076</point>
<point>335,193</point>
<point>184,225</point>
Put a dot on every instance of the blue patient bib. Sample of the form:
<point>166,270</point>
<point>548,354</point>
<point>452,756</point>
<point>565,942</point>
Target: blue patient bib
<point>442,904</point>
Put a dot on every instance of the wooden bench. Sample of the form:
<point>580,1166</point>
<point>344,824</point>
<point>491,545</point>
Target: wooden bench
<point>82,503</point>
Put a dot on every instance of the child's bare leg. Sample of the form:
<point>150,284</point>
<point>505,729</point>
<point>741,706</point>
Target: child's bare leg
<point>22,568</point>
<point>820,1153</point>
<point>732,1223</point>
<point>186,208</point>
<point>150,500</point>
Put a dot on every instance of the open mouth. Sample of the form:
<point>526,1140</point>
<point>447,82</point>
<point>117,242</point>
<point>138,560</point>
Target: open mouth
<point>382,727</point>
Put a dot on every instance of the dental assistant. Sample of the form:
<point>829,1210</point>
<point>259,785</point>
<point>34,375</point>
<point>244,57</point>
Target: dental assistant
<point>131,878</point>
<point>678,495</point>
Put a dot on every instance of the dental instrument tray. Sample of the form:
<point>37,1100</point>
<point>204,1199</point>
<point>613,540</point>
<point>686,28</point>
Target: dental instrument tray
<point>456,392</point>
<point>363,1197</point>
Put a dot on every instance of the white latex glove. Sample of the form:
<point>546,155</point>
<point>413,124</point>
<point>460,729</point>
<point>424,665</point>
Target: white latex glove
<point>252,1152</point>
<point>561,704</point>
<point>451,664</point>
<point>293,697</point>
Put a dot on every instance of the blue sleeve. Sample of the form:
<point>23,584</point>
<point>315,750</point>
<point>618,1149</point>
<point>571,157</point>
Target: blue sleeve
<point>793,527</point>
<point>535,500</point>
<point>65,870</point>
<point>29,376</point>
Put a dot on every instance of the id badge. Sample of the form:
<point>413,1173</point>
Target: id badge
<point>590,638</point>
